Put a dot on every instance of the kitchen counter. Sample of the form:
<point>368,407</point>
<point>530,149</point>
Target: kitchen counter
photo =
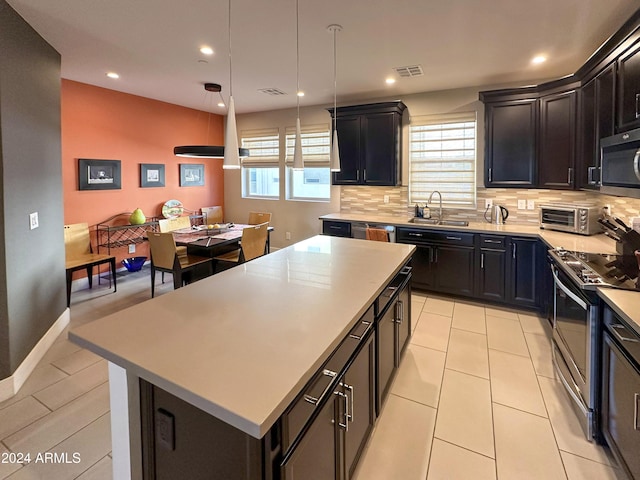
<point>240,345</point>
<point>568,241</point>
<point>625,303</point>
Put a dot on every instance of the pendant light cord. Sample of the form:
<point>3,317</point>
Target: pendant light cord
<point>230,63</point>
<point>297,58</point>
<point>335,79</point>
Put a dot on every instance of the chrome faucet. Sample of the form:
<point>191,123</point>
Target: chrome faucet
<point>440,208</point>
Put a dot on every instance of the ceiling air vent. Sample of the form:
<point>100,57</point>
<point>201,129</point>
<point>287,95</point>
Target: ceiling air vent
<point>409,71</point>
<point>272,91</point>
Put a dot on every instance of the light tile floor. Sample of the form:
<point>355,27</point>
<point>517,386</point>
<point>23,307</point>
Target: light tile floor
<point>475,397</point>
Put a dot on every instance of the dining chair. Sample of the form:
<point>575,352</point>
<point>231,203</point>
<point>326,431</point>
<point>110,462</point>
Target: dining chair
<point>174,223</point>
<point>256,218</point>
<point>252,245</point>
<point>165,258</point>
<point>79,256</point>
<point>212,215</point>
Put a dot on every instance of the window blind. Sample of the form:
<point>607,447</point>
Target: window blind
<point>264,147</point>
<point>316,145</point>
<point>442,156</point>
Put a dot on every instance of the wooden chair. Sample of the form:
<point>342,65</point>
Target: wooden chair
<point>79,255</point>
<point>252,245</point>
<point>256,218</point>
<point>212,215</point>
<point>175,223</point>
<point>165,258</point>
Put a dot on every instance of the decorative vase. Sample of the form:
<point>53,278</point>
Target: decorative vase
<point>137,217</point>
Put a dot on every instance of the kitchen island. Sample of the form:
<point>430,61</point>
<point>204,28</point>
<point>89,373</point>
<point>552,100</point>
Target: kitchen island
<point>241,345</point>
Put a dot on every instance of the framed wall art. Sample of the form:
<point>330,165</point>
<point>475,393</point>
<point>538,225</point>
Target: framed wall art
<point>191,175</point>
<point>99,174</point>
<point>151,175</point>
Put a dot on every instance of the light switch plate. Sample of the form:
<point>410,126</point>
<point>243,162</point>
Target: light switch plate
<point>33,220</point>
<point>522,204</point>
<point>132,248</point>
<point>531,204</point>
<point>386,199</point>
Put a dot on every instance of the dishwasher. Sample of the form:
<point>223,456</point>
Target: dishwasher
<point>359,230</point>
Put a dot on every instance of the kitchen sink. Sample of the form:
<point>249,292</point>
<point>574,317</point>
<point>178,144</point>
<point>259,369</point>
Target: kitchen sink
<point>435,221</point>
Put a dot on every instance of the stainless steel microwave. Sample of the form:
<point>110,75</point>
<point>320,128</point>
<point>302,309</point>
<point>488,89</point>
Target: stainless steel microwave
<point>582,219</point>
<point>620,164</point>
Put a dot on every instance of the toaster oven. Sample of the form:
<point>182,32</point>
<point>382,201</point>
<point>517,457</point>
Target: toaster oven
<point>581,219</point>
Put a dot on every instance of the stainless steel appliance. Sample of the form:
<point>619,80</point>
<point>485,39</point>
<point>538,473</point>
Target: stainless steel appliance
<point>621,392</point>
<point>620,164</point>
<point>582,219</point>
<point>576,330</point>
<point>498,214</point>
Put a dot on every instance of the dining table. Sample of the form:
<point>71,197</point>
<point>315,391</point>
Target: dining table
<point>204,241</point>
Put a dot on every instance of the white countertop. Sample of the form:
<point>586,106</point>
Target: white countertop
<point>569,241</point>
<point>625,303</point>
<point>241,344</point>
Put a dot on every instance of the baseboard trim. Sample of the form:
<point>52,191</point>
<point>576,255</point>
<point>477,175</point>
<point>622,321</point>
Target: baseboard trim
<point>9,386</point>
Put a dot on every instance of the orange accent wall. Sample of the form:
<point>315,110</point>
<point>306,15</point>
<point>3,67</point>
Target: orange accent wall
<point>98,123</point>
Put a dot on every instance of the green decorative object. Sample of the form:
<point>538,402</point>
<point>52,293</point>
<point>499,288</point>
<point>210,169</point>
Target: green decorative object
<point>137,217</point>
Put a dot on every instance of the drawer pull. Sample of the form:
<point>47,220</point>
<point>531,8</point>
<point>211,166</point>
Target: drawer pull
<point>334,227</point>
<point>453,238</point>
<point>314,400</point>
<point>499,242</point>
<point>412,234</point>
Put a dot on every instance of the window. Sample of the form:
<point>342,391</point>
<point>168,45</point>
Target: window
<point>314,182</point>
<point>442,156</point>
<point>260,170</point>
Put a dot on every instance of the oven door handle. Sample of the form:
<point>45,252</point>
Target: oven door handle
<point>572,295</point>
<point>636,164</point>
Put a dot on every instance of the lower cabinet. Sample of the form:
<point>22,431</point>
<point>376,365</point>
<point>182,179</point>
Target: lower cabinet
<point>492,268</point>
<point>333,442</point>
<point>525,272</point>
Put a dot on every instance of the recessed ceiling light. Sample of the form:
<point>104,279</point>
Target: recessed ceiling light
<point>390,81</point>
<point>538,59</point>
<point>206,50</point>
<point>113,75</point>
<point>301,94</point>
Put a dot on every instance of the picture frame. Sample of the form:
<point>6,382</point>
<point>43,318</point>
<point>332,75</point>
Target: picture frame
<point>151,175</point>
<point>191,174</point>
<point>94,174</point>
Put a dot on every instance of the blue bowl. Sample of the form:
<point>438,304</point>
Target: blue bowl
<point>134,264</point>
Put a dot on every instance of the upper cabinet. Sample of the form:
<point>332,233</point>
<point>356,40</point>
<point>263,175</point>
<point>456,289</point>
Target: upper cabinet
<point>629,89</point>
<point>510,155</point>
<point>370,143</point>
<point>556,166</point>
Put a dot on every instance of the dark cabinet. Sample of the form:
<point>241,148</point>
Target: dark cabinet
<point>336,228</point>
<point>628,79</point>
<point>510,143</point>
<point>370,143</point>
<point>596,117</point>
<point>525,272</point>
<point>556,160</point>
<point>443,262</point>
<point>492,267</point>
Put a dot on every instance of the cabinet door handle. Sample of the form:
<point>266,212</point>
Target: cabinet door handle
<point>345,397</point>
<point>435,253</point>
<point>364,175</point>
<point>637,109</point>
<point>482,261</point>
<point>490,175</point>
<point>636,164</point>
<point>570,176</point>
<point>636,397</point>
<point>515,248</point>
<point>399,312</point>
<point>591,175</point>
<point>350,388</point>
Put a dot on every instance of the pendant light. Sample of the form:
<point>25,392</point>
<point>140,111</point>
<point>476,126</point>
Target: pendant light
<point>298,162</point>
<point>207,151</point>
<point>231,156</point>
<point>335,151</point>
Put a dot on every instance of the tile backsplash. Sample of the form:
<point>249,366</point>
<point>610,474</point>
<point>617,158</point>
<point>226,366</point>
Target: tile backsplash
<point>371,200</point>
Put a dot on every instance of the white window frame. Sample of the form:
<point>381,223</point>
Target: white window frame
<point>443,156</point>
<point>264,152</point>
<point>316,147</point>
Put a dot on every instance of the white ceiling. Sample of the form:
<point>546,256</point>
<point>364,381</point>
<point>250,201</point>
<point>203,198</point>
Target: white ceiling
<point>153,45</point>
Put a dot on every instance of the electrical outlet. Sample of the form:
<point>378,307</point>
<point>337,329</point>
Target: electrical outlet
<point>607,209</point>
<point>386,199</point>
<point>132,248</point>
<point>488,203</point>
<point>33,220</point>
<point>522,204</point>
<point>287,235</point>
<point>531,204</point>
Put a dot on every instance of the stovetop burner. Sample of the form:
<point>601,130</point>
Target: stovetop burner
<point>600,269</point>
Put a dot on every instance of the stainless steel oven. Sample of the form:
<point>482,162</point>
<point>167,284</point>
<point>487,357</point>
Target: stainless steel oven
<point>575,346</point>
